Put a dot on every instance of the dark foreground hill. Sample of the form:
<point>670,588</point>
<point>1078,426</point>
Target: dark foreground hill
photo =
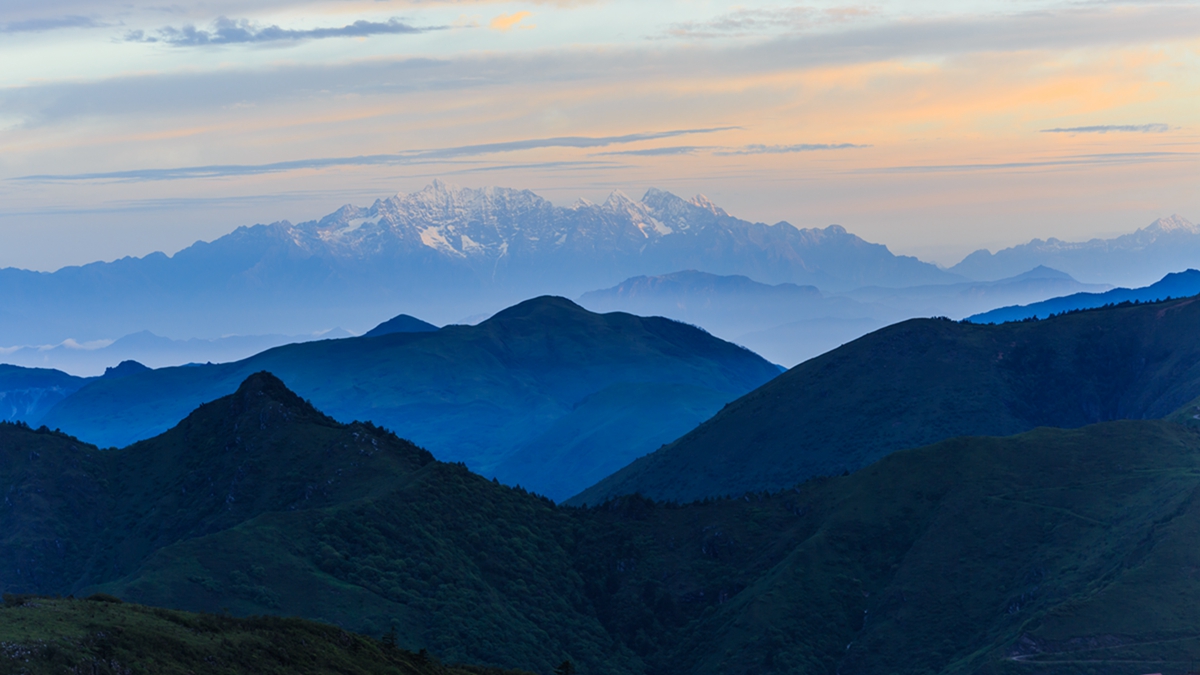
<point>49,636</point>
<point>1056,551</point>
<point>257,503</point>
<point>1176,285</point>
<point>922,381</point>
<point>537,395</point>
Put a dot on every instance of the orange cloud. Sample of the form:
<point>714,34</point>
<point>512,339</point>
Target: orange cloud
<point>506,22</point>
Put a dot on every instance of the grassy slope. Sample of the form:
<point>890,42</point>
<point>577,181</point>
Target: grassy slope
<point>922,381</point>
<point>41,635</point>
<point>469,393</point>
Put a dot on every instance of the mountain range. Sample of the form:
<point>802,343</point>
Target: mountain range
<point>788,324</point>
<point>544,394</point>
<point>1176,285</point>
<point>442,253</point>
<point>1060,550</point>
<point>922,381</point>
<point>1136,259</point>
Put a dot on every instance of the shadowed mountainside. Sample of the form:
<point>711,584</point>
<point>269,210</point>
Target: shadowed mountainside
<point>922,381</point>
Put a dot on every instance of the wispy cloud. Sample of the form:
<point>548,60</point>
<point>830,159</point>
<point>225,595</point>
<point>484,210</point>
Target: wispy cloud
<point>1112,128</point>
<point>1074,160</point>
<point>409,157</point>
<point>756,149</point>
<point>226,31</point>
<point>50,23</point>
<point>534,166</point>
<point>761,21</point>
<point>188,91</point>
<point>562,142</point>
<point>658,152</point>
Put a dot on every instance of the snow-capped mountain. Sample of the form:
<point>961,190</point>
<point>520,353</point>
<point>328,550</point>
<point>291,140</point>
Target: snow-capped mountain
<point>442,253</point>
<point>513,238</point>
<point>1136,259</point>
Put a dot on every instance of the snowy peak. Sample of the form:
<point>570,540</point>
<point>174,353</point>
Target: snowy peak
<point>1172,223</point>
<point>637,213</point>
<point>618,200</point>
<point>704,203</point>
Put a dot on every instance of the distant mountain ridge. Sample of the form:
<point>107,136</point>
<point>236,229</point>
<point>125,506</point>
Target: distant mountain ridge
<point>711,300</point>
<point>1135,259</point>
<point>441,253</point>
<point>789,324</point>
<point>1175,285</point>
<point>153,350</point>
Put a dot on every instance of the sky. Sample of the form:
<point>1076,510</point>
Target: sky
<point>936,128</point>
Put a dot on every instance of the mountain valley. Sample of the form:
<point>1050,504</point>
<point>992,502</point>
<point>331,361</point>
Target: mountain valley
<point>1136,259</point>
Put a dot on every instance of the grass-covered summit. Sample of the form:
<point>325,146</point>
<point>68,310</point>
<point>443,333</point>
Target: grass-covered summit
<point>925,380</point>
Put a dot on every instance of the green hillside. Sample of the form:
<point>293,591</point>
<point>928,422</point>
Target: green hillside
<point>475,394</point>
<point>922,381</point>
<point>1054,551</point>
<point>101,635</point>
